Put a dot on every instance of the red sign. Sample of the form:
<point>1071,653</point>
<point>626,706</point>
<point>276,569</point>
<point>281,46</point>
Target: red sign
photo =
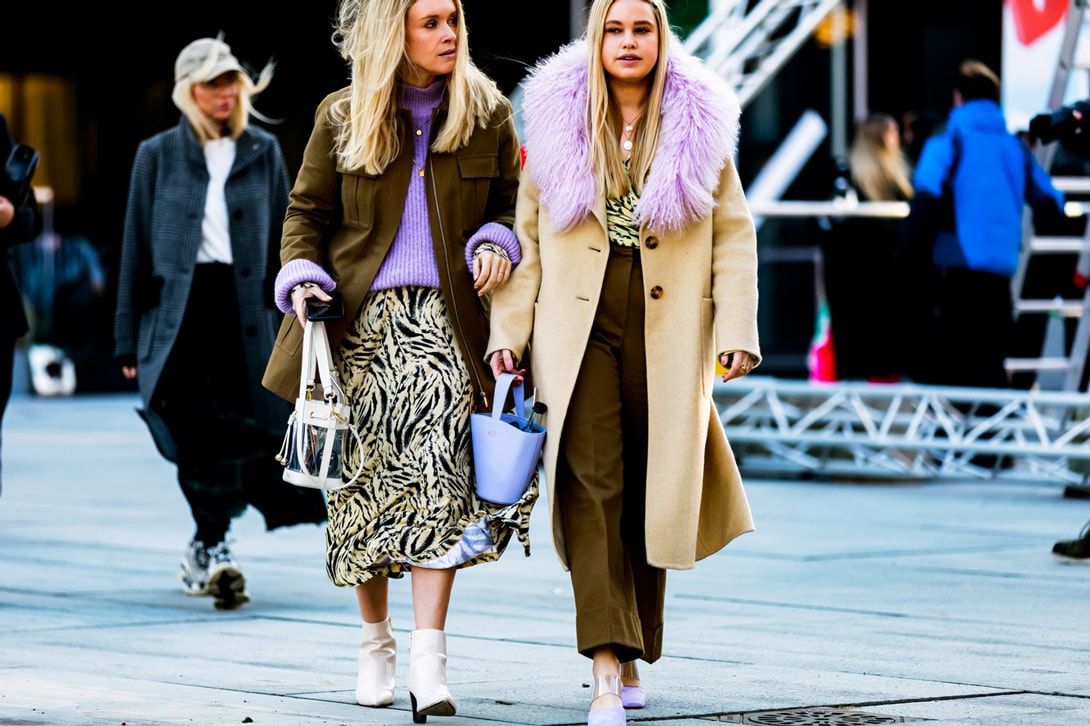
<point>1031,22</point>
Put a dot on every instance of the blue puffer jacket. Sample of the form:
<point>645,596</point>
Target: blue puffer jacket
<point>995,176</point>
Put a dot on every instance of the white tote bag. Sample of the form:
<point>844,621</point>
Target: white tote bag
<point>314,444</point>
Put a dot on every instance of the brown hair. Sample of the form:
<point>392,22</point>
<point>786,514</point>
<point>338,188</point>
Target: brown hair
<point>975,80</point>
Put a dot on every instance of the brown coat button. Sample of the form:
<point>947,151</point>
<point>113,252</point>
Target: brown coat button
<point>651,243</point>
<point>656,292</point>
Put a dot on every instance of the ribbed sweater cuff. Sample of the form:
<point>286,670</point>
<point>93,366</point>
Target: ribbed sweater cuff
<point>295,272</point>
<point>495,233</point>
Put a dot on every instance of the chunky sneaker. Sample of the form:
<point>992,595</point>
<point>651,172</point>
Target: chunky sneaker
<point>225,581</point>
<point>194,569</point>
<point>1075,550</point>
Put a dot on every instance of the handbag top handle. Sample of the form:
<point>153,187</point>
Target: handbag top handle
<point>506,382</point>
<point>318,364</point>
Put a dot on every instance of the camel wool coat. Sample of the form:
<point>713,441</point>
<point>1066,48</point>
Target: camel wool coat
<point>699,259</point>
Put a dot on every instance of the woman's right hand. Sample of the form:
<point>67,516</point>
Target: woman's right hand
<point>7,211</point>
<point>503,361</point>
<point>299,301</point>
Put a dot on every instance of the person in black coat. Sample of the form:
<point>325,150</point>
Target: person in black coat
<point>20,221</point>
<point>869,329</point>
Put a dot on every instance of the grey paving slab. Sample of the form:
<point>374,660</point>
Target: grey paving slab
<point>936,602</point>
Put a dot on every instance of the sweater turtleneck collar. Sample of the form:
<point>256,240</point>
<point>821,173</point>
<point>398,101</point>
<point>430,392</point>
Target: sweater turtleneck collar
<point>421,100</point>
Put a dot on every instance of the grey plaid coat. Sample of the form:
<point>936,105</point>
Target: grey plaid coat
<point>167,191</point>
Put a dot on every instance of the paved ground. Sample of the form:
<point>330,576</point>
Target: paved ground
<point>853,603</point>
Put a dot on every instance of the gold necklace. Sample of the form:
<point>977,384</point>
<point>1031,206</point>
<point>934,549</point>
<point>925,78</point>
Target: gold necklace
<point>417,164</point>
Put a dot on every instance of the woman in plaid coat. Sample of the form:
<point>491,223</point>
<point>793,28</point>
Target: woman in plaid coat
<point>195,316</point>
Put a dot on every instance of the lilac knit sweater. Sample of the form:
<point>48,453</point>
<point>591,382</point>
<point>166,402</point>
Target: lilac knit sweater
<point>411,259</point>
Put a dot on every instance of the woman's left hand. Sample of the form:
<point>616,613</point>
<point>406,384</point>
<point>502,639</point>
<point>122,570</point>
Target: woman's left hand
<point>490,270</point>
<point>737,363</point>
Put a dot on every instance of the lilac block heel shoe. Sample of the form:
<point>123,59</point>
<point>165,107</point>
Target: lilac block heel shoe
<point>632,696</point>
<point>613,716</point>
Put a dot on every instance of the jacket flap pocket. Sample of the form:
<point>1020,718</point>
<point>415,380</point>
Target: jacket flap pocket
<point>478,166</point>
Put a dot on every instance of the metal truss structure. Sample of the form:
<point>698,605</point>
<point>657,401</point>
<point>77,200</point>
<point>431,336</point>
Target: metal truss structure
<point>747,43</point>
<point>905,431</point>
<point>895,431</point>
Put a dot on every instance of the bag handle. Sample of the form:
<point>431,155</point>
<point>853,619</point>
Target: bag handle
<point>327,371</point>
<point>318,363</point>
<point>506,382</point>
<point>306,373</point>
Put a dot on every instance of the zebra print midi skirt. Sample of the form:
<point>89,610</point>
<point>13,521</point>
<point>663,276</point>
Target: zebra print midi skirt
<point>414,504</point>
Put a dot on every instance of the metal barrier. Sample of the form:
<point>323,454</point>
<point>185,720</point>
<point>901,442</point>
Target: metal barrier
<point>901,431</point>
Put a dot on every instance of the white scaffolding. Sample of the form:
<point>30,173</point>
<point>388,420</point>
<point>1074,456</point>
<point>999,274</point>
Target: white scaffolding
<point>894,431</point>
<point>747,43</point>
<point>901,431</point>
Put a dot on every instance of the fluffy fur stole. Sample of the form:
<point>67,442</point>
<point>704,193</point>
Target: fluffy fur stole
<point>699,134</point>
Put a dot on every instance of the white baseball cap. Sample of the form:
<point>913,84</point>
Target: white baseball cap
<point>204,59</point>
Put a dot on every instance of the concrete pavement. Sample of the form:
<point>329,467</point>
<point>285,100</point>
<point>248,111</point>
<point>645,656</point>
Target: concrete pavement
<point>852,603</point>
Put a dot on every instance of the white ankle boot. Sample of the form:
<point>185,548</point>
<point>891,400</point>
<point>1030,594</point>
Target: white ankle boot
<point>428,690</point>
<point>378,660</point>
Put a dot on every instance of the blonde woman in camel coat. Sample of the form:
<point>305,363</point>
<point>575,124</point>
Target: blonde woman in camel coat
<point>601,255</point>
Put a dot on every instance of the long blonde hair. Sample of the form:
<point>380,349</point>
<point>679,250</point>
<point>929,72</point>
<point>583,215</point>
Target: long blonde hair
<point>604,118</point>
<point>879,167</point>
<point>370,36</point>
<point>206,128</point>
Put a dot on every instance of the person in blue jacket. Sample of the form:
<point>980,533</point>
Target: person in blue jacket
<point>964,231</point>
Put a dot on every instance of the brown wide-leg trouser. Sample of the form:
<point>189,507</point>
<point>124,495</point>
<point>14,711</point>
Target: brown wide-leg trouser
<point>601,477</point>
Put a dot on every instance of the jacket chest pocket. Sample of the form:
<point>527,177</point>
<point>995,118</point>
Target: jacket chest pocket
<point>358,198</point>
<point>477,172</point>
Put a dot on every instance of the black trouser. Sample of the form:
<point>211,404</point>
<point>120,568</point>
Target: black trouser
<point>225,459</point>
<point>973,327</point>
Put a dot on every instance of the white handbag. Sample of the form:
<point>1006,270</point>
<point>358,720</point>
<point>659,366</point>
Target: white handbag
<point>314,444</point>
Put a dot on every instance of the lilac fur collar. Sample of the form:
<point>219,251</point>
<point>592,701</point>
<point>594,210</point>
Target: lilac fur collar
<point>699,133</point>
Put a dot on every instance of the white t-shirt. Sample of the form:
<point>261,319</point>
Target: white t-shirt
<point>215,230</point>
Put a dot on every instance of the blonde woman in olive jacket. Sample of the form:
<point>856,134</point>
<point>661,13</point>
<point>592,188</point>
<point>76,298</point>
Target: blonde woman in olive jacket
<point>404,203</point>
<point>578,301</point>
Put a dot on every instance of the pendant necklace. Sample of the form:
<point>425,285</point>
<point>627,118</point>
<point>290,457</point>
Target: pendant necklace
<point>420,165</point>
<point>626,141</point>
